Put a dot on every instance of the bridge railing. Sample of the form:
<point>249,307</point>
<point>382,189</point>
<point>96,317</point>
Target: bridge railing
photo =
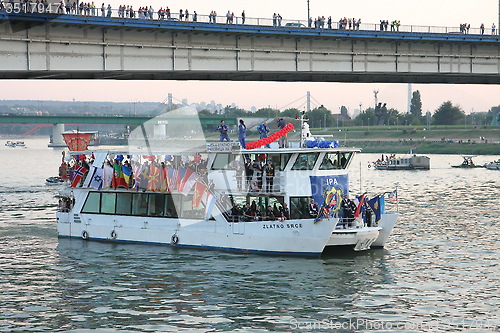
<point>135,14</point>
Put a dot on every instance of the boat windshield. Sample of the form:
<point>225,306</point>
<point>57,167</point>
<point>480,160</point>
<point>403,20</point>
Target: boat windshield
<point>305,161</point>
<point>335,161</point>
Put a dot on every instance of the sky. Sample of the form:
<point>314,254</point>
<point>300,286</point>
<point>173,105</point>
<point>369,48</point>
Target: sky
<point>449,13</point>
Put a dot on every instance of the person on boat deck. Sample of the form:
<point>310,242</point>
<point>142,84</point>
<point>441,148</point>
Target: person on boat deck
<point>257,214</point>
<point>223,129</point>
<point>285,212</point>
<point>349,208</point>
<point>257,166</point>
<point>270,214</point>
<point>313,208</point>
<point>239,174</point>
<point>269,169</point>
<point>283,141</point>
<point>264,131</point>
<point>242,134</point>
<point>247,213</point>
<point>248,173</point>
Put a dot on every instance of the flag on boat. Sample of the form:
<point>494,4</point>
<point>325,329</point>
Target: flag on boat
<point>180,175</point>
<point>374,204</point>
<point>153,178</point>
<point>172,179</point>
<point>97,179</point>
<point>137,176</point>
<point>188,181</point>
<point>209,199</point>
<point>199,192</point>
<point>393,196</point>
<point>78,174</point>
<point>163,179</point>
<point>127,172</point>
<point>118,180</point>
<point>108,176</point>
<point>327,192</point>
<point>359,206</point>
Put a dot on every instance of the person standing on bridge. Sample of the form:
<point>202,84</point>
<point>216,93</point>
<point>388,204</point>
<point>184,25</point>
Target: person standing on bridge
<point>493,29</point>
<point>243,17</point>
<point>264,131</point>
<point>222,128</point>
<point>242,134</point>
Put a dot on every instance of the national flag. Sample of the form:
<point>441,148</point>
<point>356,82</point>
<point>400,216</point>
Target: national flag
<point>137,175</point>
<point>393,196</point>
<point>361,201</point>
<point>108,176</point>
<point>199,192</point>
<point>78,174</point>
<point>188,181</point>
<point>172,179</point>
<point>97,179</point>
<point>183,178</point>
<point>374,204</point>
<point>118,181</point>
<point>163,179</point>
<point>209,199</point>
<point>153,178</point>
<point>180,176</point>
<point>126,171</point>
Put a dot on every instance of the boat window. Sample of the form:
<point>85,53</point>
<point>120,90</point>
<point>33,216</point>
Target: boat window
<point>221,162</point>
<point>284,158</point>
<point>124,203</point>
<point>345,159</point>
<point>156,204</point>
<point>330,161</point>
<point>140,204</point>
<point>176,200</point>
<point>108,203</point>
<point>190,212</point>
<point>305,161</point>
<point>299,208</point>
<point>170,206</point>
<point>93,203</point>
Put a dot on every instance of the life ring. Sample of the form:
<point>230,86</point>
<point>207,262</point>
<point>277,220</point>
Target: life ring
<point>175,239</point>
<point>113,234</point>
<point>85,235</point>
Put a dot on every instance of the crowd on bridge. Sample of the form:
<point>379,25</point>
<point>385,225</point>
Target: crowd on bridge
<point>185,15</point>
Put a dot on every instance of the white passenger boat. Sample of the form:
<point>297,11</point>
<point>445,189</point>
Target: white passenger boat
<point>289,201</point>
<point>412,162</point>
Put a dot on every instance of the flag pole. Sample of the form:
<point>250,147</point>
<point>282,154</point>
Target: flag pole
<point>360,187</point>
<point>397,199</point>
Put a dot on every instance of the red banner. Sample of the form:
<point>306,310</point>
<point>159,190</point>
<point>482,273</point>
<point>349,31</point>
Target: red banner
<point>77,141</point>
<point>273,137</point>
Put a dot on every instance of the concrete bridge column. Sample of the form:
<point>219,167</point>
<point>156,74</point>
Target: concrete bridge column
<point>57,138</point>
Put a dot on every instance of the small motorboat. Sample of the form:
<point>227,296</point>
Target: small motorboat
<point>468,163</point>
<point>495,165</point>
<point>54,180</point>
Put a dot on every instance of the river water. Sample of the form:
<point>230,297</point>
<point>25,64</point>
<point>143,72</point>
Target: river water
<point>440,270</point>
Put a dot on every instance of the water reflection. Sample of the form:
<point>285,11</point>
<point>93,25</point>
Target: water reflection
<point>131,285</point>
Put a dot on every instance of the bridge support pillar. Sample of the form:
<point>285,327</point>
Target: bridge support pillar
<point>57,138</point>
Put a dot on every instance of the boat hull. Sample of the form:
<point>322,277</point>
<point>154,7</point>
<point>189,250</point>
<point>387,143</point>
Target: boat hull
<point>299,237</point>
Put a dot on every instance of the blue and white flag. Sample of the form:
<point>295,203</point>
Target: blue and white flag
<point>209,201</point>
<point>97,179</point>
